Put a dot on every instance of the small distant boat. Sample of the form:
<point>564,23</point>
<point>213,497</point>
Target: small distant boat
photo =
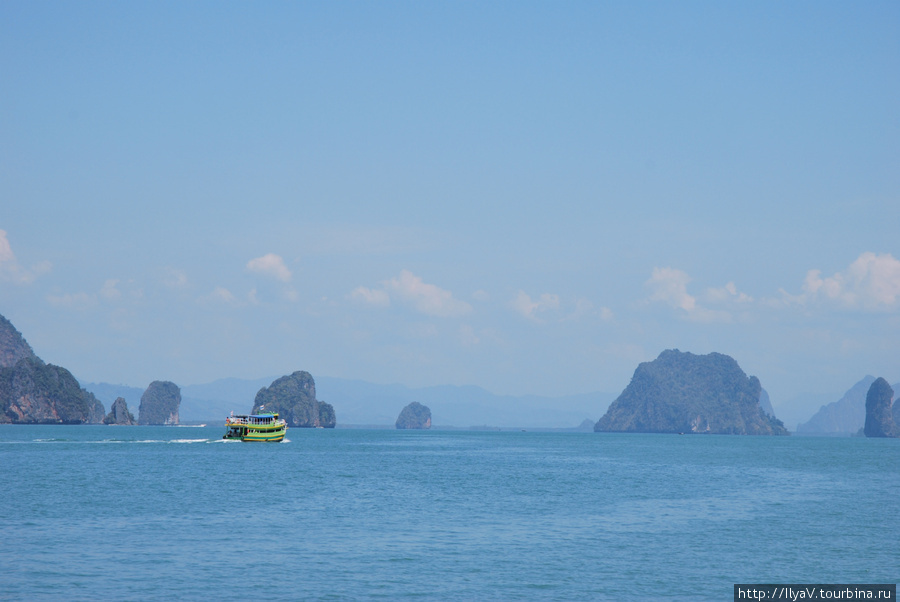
<point>255,427</point>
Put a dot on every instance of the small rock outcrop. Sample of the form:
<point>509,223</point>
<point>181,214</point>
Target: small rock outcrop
<point>293,397</point>
<point>119,414</point>
<point>414,416</point>
<point>686,393</point>
<point>879,417</point>
<point>159,404</point>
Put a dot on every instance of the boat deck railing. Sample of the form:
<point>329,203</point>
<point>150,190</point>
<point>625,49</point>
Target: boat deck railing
<point>252,420</point>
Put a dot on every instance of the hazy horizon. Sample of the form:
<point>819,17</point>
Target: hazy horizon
<point>531,198</point>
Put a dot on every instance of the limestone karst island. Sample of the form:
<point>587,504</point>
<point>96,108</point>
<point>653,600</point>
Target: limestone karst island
<point>678,392</point>
<point>681,392</point>
<point>414,416</point>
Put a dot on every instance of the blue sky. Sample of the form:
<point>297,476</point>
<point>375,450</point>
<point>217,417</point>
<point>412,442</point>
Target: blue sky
<point>529,197</point>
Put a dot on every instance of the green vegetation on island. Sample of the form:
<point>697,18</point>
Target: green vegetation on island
<point>686,393</point>
<point>32,392</point>
<point>293,397</point>
<point>159,404</point>
<point>414,416</point>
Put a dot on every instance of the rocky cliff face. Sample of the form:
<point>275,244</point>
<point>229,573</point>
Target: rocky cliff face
<point>32,392</point>
<point>766,404</point>
<point>293,397</point>
<point>13,346</point>
<point>879,417</point>
<point>119,414</point>
<point>686,393</point>
<point>159,404</point>
<point>414,416</point>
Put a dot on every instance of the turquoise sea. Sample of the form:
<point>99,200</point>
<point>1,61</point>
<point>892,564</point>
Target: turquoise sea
<point>159,513</point>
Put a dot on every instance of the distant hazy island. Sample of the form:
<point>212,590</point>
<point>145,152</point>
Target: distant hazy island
<point>414,416</point>
<point>681,392</point>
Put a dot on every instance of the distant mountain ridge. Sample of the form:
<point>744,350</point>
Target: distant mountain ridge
<point>845,416</point>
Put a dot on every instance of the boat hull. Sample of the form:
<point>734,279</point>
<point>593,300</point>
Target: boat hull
<point>269,436</point>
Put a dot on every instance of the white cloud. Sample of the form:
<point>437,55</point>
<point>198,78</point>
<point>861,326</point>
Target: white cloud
<point>376,297</point>
<point>726,294</point>
<point>11,270</point>
<point>425,298</point>
<point>871,282</point>
<point>270,265</point>
<point>669,286</point>
<point>527,307</point>
<point>411,290</point>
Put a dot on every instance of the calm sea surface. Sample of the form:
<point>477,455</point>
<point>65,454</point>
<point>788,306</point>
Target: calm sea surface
<point>98,512</point>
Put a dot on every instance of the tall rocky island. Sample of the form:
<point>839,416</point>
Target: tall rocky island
<point>293,397</point>
<point>32,392</point>
<point>685,393</point>
<point>879,417</point>
<point>159,404</point>
<point>414,416</point>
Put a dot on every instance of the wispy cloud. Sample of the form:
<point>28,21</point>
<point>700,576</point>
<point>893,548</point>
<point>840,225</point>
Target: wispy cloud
<point>175,278</point>
<point>376,297</point>
<point>110,294</point>
<point>110,290</point>
<point>270,265</point>
<point>727,294</point>
<point>10,268</point>
<point>530,308</point>
<point>221,296</point>
<point>411,290</point>
<point>79,300</point>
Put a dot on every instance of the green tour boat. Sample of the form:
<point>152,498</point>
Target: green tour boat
<point>255,427</point>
